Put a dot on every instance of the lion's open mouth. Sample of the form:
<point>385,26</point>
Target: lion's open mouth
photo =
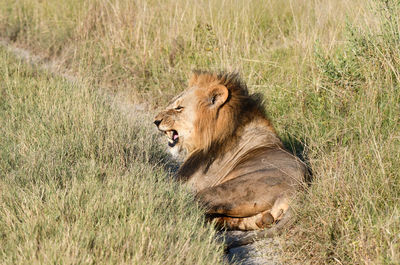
<point>173,137</point>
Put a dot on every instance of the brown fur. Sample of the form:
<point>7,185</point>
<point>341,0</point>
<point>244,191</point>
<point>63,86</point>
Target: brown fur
<point>233,159</point>
<point>226,120</point>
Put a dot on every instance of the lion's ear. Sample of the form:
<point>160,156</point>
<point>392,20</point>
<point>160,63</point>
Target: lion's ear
<point>217,95</point>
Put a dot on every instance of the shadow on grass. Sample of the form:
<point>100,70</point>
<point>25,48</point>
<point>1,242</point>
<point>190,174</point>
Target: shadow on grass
<point>296,146</point>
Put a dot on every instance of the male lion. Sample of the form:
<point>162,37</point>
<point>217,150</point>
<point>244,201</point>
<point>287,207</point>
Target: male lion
<point>233,159</point>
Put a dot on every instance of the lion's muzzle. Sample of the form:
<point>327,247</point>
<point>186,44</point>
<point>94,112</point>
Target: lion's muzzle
<point>172,135</point>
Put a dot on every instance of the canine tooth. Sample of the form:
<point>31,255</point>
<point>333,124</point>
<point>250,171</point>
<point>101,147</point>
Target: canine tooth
<point>169,134</point>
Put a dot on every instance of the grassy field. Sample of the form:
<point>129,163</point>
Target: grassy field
<point>330,75</point>
<point>82,184</point>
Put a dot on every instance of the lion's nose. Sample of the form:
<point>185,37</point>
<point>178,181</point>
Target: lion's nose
<point>157,122</point>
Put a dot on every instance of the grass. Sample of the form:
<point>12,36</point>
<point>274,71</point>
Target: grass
<point>148,47</point>
<point>82,184</point>
<point>328,70</point>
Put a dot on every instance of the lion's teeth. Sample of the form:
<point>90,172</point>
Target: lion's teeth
<point>172,137</point>
<point>169,134</point>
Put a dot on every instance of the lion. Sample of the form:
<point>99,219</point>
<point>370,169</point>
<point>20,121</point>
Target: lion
<point>233,159</point>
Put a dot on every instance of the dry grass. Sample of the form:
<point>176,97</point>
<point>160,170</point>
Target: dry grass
<point>81,184</point>
<point>149,47</point>
<point>329,71</point>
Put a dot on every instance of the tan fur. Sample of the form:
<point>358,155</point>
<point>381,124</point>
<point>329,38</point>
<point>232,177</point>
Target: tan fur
<point>233,159</point>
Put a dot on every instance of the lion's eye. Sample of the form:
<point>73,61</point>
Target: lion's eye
<point>179,108</point>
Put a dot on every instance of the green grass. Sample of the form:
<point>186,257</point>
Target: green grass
<point>82,184</point>
<point>351,213</point>
<point>328,70</point>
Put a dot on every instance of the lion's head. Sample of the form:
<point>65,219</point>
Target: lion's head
<point>206,114</point>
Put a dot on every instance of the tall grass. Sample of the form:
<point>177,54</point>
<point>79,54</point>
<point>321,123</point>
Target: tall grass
<point>148,47</point>
<point>79,183</point>
<point>351,213</point>
<point>329,71</point>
